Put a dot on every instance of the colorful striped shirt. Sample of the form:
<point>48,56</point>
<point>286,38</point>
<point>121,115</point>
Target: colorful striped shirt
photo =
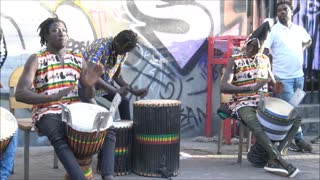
<point>51,77</point>
<point>100,50</point>
<point>247,72</point>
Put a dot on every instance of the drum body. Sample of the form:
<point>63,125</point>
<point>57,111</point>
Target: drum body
<point>274,116</point>
<point>123,149</point>
<point>156,125</point>
<point>8,126</point>
<point>86,128</point>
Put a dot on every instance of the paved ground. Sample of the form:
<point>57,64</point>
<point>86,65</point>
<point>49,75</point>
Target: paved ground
<point>198,160</point>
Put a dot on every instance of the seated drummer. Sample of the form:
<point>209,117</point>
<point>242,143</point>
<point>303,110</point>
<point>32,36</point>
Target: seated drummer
<point>246,76</point>
<point>51,77</point>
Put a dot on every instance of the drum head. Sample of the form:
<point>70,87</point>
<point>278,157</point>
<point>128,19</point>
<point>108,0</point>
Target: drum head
<point>8,124</point>
<point>123,124</point>
<point>278,106</point>
<point>84,114</point>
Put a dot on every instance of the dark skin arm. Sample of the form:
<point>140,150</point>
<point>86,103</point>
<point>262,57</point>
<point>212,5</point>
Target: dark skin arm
<point>26,95</point>
<point>101,84</point>
<point>122,83</point>
<point>228,87</point>
<point>307,44</point>
<point>89,75</point>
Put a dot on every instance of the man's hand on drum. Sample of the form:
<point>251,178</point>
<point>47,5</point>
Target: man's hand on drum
<point>278,87</point>
<point>62,93</point>
<point>259,84</point>
<point>140,92</point>
<point>91,73</point>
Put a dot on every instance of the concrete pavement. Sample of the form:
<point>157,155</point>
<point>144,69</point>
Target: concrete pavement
<point>198,160</point>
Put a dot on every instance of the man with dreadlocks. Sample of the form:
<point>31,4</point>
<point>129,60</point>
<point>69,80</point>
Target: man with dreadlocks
<point>246,77</point>
<point>43,84</point>
<point>111,52</point>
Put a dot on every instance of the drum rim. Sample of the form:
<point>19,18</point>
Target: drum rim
<point>128,123</point>
<point>93,129</point>
<point>160,103</point>
<point>272,111</point>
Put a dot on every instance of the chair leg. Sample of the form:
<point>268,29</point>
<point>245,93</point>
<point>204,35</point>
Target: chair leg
<point>249,139</point>
<point>26,154</point>
<point>55,160</point>
<point>227,130</point>
<point>241,133</point>
<point>220,138</point>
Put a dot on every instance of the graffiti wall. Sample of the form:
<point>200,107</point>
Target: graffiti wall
<point>307,14</point>
<point>171,56</point>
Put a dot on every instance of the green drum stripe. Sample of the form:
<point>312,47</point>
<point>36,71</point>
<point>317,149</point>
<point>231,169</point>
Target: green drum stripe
<point>87,173</point>
<point>95,141</point>
<point>157,138</point>
<point>121,150</point>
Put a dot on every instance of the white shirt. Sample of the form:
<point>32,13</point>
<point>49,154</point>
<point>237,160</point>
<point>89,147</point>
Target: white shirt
<point>286,48</point>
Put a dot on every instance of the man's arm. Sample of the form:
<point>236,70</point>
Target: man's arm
<point>306,44</point>
<point>101,84</point>
<point>122,83</point>
<point>24,92</point>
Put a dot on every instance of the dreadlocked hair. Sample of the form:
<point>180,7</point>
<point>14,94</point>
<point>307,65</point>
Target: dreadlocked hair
<point>127,37</point>
<point>261,33</point>
<point>44,28</point>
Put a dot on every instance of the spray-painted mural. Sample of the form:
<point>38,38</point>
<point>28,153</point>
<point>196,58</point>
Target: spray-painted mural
<point>171,56</point>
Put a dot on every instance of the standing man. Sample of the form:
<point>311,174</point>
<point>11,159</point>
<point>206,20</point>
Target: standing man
<point>51,77</point>
<point>287,42</point>
<point>111,52</point>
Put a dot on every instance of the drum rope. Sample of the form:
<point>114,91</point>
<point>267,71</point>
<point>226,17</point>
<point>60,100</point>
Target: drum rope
<point>163,170</point>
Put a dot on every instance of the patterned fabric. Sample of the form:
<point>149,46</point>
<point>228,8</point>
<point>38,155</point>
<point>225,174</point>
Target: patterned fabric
<point>247,72</point>
<point>100,51</point>
<point>52,77</point>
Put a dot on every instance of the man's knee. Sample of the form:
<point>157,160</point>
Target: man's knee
<point>111,135</point>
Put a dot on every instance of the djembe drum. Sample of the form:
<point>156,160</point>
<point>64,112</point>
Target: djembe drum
<point>275,115</point>
<point>156,144</point>
<point>86,126</point>
<point>8,126</point>
<point>123,149</point>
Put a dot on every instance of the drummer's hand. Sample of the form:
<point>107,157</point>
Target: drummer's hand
<point>141,92</point>
<point>92,73</point>
<point>260,84</point>
<point>62,93</point>
<point>278,87</point>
